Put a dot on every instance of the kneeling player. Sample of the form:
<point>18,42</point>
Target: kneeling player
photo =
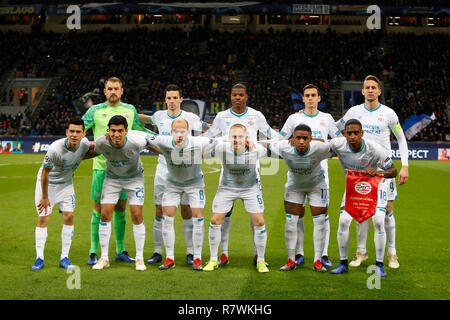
<point>54,185</point>
<point>124,171</point>
<point>305,180</point>
<point>238,181</point>
<point>356,153</point>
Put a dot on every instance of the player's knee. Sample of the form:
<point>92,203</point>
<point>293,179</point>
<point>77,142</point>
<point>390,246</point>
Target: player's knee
<point>68,218</point>
<point>121,206</point>
<point>258,220</point>
<point>186,212</point>
<point>42,222</point>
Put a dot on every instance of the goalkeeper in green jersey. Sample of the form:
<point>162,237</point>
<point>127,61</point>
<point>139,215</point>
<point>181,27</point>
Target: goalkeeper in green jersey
<point>96,118</point>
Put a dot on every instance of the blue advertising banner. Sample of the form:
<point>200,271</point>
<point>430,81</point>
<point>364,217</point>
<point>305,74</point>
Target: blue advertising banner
<point>34,145</point>
<point>417,150</point>
<point>423,151</point>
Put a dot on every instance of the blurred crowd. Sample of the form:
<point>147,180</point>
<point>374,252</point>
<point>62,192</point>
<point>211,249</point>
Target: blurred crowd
<point>205,64</point>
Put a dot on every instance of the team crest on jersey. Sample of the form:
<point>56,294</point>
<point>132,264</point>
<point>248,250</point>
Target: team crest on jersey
<point>127,115</point>
<point>104,115</point>
<point>313,161</point>
<point>381,119</point>
<point>251,123</point>
<point>365,161</point>
<point>129,153</point>
<point>322,123</point>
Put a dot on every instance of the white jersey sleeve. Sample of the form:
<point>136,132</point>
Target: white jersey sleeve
<point>397,130</point>
<point>215,129</point>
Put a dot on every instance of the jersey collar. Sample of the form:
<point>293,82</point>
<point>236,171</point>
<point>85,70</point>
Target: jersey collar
<point>379,105</point>
<point>302,155</point>
<point>239,115</point>
<point>362,147</point>
<point>126,139</point>
<point>175,116</point>
<point>312,115</point>
<point>67,147</point>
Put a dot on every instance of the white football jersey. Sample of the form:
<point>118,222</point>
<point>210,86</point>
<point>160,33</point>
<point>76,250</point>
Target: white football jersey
<point>252,119</point>
<point>124,162</point>
<point>322,125</point>
<point>371,155</point>
<point>376,123</point>
<point>184,165</point>
<point>163,121</point>
<point>63,161</point>
<point>239,171</point>
<point>305,170</point>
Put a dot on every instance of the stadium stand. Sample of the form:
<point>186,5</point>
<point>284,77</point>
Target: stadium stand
<point>206,63</point>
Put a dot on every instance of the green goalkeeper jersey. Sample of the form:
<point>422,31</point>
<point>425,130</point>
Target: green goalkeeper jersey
<point>97,118</point>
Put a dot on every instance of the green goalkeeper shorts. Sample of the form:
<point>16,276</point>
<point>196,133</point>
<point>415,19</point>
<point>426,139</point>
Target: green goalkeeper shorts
<point>97,185</point>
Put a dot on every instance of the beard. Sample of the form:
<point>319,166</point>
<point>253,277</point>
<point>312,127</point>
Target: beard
<point>113,99</point>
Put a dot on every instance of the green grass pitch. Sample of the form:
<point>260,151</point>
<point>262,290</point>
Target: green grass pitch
<point>421,212</point>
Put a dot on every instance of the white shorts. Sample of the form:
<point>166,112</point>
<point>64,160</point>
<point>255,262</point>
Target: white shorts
<point>158,190</point>
<point>391,189</point>
<point>173,195</point>
<point>61,194</point>
<point>225,198</point>
<point>317,197</point>
<point>134,187</point>
<point>382,195</point>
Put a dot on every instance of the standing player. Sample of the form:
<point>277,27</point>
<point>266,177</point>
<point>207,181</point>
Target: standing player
<point>124,173</point>
<point>254,121</point>
<point>306,181</point>
<point>163,120</point>
<point>238,181</point>
<point>378,121</point>
<point>97,118</point>
<point>356,153</point>
<point>54,185</point>
<point>322,125</point>
<point>183,154</point>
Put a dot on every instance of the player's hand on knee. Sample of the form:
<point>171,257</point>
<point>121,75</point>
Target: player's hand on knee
<point>43,204</point>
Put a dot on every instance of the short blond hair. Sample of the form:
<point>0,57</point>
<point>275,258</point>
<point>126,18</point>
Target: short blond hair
<point>373,78</point>
<point>114,79</point>
<point>180,120</point>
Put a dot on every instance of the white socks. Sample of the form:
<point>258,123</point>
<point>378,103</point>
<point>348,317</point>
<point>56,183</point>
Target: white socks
<point>290,234</point>
<point>66,240</point>
<point>362,229</point>
<point>300,235</point>
<point>327,236</point>
<point>188,227</point>
<point>168,235</point>
<point>343,234</point>
<point>104,234</point>
<point>319,234</point>
<point>379,234</point>
<point>215,235</point>
<point>139,239</point>
<point>260,240</point>
<point>40,235</point>
<point>389,225</point>
<point>225,237</point>
<point>157,235</point>
<point>197,236</point>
